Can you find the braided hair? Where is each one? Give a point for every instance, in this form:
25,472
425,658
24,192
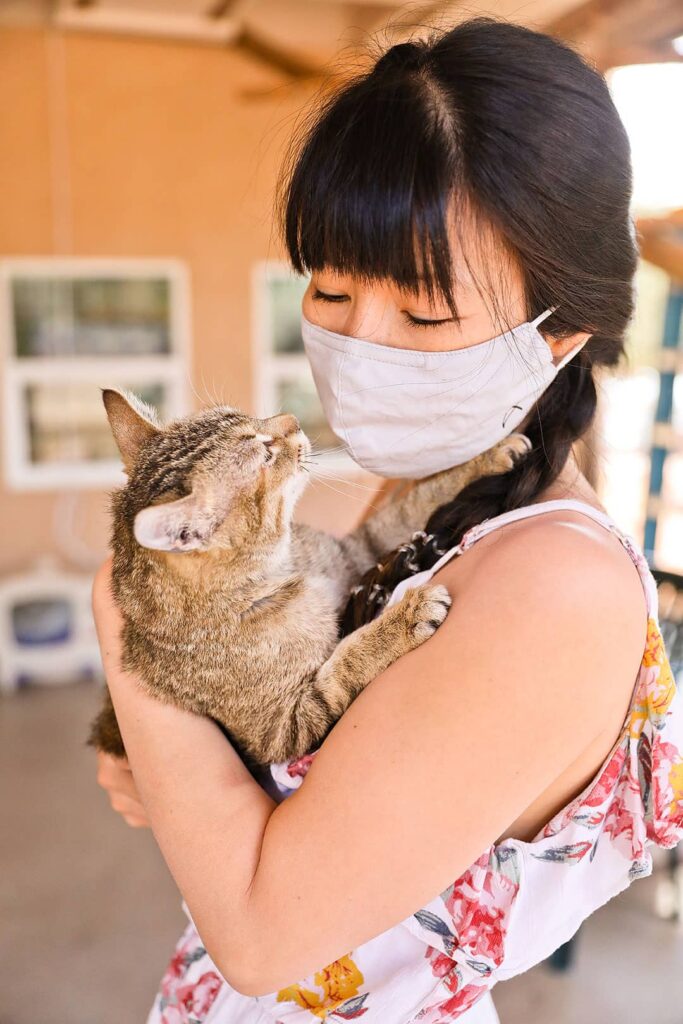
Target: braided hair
518,134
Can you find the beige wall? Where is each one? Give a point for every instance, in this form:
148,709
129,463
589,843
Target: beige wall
128,147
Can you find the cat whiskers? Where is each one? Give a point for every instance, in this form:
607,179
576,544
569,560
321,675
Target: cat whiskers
338,448
319,476
346,494
318,473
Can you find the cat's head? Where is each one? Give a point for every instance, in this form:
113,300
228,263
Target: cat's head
217,479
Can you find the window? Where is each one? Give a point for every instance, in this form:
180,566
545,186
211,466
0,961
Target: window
72,327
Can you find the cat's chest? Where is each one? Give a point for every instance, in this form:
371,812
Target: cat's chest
333,593
304,608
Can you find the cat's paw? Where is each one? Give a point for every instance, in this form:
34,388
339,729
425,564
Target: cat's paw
426,608
508,452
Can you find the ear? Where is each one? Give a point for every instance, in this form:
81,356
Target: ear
132,421
562,347
183,525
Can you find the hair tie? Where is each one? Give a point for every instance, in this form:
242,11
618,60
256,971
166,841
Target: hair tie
401,57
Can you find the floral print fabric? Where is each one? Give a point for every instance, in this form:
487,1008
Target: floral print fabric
512,908
180,1001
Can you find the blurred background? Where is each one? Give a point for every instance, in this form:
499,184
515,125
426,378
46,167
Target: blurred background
141,141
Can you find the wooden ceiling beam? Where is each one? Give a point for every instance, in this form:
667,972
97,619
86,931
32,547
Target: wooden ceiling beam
614,56
659,241
629,21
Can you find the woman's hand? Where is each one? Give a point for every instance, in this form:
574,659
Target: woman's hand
114,776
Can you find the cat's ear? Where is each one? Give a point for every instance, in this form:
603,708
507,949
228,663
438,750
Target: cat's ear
183,525
132,422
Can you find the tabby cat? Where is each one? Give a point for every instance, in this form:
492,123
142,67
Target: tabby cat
230,609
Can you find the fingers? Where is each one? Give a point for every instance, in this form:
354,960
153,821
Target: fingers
114,776
113,773
132,812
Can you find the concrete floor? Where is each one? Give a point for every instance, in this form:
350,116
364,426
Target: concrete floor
90,914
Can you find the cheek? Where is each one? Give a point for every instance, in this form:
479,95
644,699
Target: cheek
293,489
248,463
284,470
308,306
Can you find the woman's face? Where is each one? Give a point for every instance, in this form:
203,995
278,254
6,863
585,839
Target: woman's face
380,312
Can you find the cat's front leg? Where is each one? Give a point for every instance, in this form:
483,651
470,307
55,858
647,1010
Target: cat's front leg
499,459
357,660
394,523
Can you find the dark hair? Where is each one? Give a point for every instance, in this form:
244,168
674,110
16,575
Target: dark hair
515,129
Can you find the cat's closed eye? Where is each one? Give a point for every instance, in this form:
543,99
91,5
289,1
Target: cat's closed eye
271,450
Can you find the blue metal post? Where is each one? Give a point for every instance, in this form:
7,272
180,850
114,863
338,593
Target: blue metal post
671,357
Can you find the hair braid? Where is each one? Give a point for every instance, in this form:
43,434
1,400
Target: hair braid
560,417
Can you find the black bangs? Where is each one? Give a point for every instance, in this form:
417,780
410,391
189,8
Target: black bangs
370,189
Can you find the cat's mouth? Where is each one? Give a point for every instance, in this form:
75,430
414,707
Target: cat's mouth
303,450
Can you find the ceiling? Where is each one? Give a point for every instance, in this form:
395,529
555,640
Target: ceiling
299,38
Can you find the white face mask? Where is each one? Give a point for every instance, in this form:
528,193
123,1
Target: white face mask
406,413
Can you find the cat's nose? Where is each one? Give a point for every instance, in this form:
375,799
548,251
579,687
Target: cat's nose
284,425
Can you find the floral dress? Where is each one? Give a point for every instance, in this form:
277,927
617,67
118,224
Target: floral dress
514,906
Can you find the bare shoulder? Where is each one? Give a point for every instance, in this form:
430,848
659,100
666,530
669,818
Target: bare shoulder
562,557
571,583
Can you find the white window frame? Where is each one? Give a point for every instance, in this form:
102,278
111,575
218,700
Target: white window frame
171,370
269,367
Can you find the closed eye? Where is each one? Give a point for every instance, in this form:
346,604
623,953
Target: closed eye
267,440
415,321
325,297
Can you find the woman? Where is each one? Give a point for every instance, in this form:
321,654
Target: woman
508,777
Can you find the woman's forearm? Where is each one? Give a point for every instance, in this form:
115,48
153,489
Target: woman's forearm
207,812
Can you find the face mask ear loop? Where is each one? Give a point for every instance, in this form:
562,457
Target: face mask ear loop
542,316
570,355
573,352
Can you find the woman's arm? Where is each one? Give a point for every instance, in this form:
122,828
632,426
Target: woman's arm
429,765
114,774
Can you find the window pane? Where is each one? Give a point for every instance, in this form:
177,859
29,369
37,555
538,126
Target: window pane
285,313
298,396
93,317
67,422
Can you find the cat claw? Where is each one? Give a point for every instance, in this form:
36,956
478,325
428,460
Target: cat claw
432,602
511,450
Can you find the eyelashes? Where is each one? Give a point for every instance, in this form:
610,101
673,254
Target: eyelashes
414,322
324,297
411,320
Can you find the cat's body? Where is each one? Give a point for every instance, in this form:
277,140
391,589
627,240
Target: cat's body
232,611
